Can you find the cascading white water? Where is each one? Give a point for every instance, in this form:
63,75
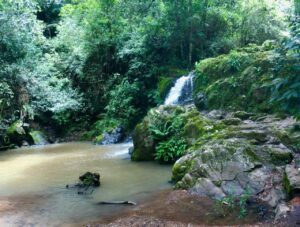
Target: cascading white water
181,91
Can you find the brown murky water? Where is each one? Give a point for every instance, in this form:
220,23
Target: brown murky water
32,186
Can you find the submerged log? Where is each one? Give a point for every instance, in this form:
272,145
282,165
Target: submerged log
117,203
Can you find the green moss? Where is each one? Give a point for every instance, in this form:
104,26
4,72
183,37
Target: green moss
235,81
286,185
144,144
164,85
16,128
232,121
99,138
252,155
16,134
180,169
281,158
176,72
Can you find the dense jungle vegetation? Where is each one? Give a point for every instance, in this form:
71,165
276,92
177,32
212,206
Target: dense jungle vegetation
92,65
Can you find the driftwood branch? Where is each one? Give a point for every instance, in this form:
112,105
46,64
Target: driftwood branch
117,203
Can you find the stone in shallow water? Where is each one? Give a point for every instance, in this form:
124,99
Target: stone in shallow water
90,179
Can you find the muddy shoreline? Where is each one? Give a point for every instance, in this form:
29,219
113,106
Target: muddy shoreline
164,208
179,208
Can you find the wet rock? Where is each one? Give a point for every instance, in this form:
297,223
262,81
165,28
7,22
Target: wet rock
90,179
25,143
143,141
117,135
88,182
18,132
130,150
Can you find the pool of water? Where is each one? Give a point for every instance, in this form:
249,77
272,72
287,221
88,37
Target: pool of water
32,185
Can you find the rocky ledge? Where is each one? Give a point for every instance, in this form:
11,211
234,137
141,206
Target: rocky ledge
231,154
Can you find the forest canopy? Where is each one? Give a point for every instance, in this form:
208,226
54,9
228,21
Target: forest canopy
66,62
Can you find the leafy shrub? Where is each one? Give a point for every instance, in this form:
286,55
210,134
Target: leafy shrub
167,130
285,87
232,203
122,105
169,151
100,127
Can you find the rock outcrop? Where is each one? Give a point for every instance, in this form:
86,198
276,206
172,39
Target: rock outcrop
228,153
250,155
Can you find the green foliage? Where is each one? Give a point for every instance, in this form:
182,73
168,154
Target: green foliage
285,87
260,21
167,132
171,150
164,85
100,127
237,60
6,97
69,61
234,81
233,203
123,104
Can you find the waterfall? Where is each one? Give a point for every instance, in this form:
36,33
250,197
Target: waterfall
181,92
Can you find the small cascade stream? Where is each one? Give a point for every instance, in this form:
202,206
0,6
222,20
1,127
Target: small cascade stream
181,92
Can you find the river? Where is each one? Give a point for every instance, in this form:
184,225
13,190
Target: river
33,179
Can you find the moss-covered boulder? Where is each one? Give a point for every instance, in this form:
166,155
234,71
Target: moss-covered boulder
144,144
292,179
158,126
167,131
232,156
90,179
18,133
218,160
236,81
